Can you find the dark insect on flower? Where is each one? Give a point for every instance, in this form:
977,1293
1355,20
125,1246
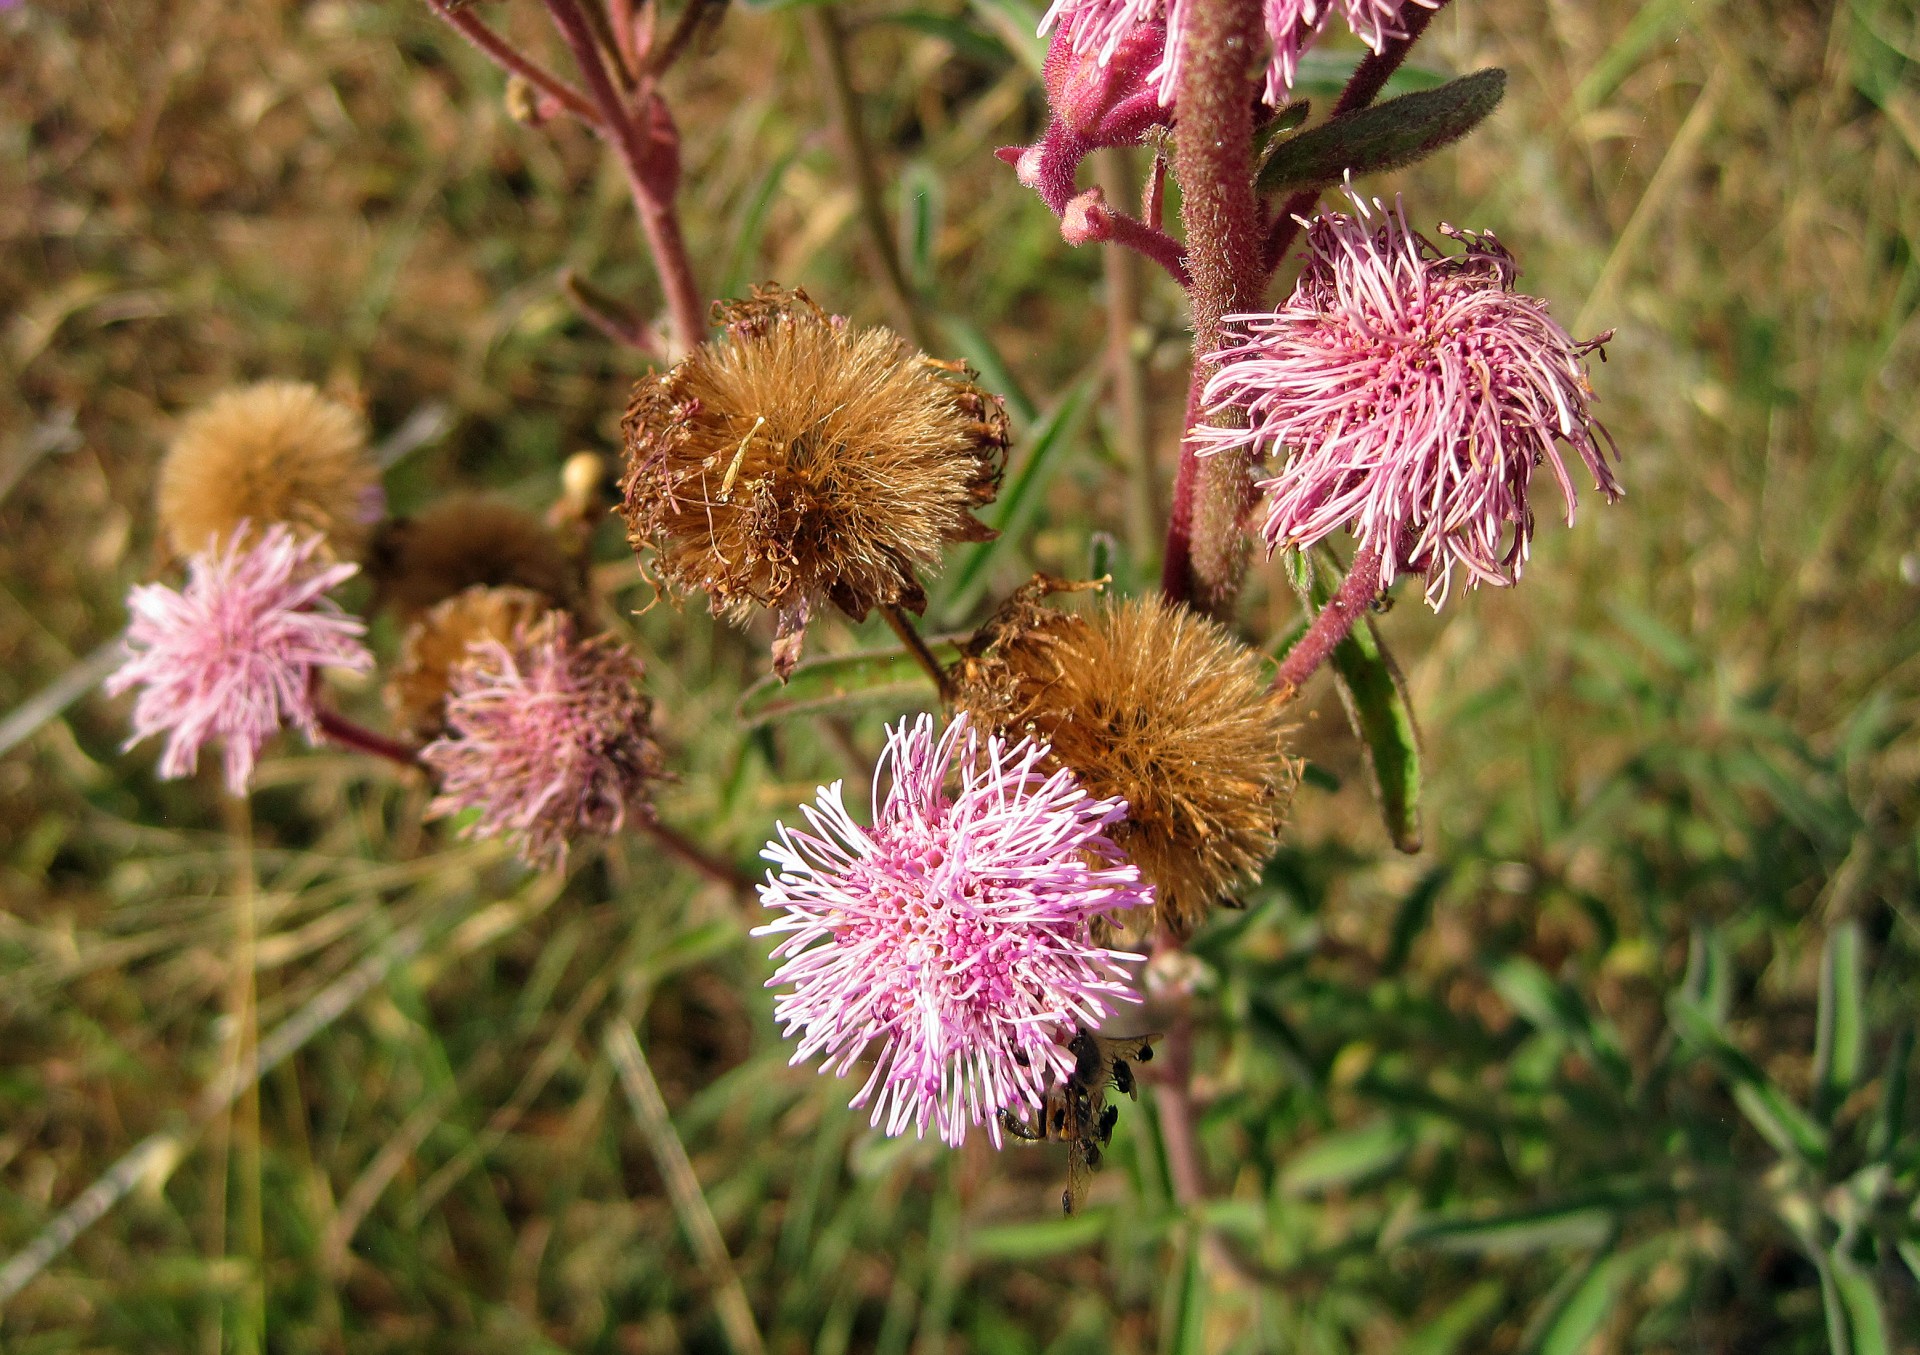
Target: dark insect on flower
440,641
1075,1110
800,459
277,451
548,739
1156,706
464,541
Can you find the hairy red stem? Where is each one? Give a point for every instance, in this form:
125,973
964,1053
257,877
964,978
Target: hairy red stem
351,734
684,851
507,59
645,165
1335,622
1213,158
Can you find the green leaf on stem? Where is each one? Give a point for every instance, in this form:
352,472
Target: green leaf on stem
1386,136
1013,513
1792,1132
1038,1240
1344,1157
842,682
1841,1030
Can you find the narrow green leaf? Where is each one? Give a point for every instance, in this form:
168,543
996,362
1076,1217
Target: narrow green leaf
1461,1318
1386,136
1585,1309
970,343
1890,1123
1412,916
965,38
752,226
1790,1130
1019,503
878,677
1860,1301
1341,1159
1190,1329
1018,25
923,202
1038,1240
1582,1225
1324,72
1375,696
1840,1033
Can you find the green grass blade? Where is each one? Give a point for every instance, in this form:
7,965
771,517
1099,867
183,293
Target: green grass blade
1841,1031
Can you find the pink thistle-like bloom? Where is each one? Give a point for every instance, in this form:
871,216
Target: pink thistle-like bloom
1415,391
235,654
547,739
1102,27
952,938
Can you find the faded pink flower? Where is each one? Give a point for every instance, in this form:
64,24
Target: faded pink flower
234,655
953,937
1415,392
1103,27
547,739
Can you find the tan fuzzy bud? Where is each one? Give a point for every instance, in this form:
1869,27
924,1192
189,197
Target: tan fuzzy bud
801,460
439,642
469,540
277,451
1157,706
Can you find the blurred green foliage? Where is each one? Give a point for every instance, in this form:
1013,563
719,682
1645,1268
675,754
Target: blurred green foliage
1619,1061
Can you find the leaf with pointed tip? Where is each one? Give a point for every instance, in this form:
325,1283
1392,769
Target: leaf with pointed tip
1386,136
1841,1024
839,682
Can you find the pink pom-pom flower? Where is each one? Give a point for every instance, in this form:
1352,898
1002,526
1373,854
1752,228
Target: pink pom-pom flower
234,655
1413,392
953,938
547,739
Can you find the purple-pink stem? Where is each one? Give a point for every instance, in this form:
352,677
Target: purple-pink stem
1369,78
1213,161
1335,622
351,734
1154,244
497,50
684,851
651,163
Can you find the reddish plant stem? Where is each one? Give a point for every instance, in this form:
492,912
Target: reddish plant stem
1213,158
1368,79
507,59
1150,243
1173,1100
909,634
645,165
1336,620
687,854
351,734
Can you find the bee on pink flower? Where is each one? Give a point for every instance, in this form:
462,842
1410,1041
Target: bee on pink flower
235,654
1413,393
952,939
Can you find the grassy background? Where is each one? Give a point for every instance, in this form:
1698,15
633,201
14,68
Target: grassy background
1566,1080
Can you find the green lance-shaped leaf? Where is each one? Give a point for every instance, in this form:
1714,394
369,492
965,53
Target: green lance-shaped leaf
840,682
1338,1160
1386,136
1792,1132
1374,693
1841,1030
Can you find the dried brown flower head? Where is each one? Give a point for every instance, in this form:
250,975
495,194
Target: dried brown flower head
277,451
439,642
801,459
1155,705
467,540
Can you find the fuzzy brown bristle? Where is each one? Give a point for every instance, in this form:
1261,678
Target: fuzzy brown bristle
1158,706
466,541
278,451
439,641
801,459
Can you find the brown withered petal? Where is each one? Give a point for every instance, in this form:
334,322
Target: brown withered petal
800,460
467,540
1155,705
276,451
440,641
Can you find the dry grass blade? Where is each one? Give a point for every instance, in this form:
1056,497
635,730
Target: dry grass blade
689,1202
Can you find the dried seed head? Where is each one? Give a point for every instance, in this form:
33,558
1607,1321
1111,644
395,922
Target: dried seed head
801,459
441,640
1154,705
548,739
467,540
278,451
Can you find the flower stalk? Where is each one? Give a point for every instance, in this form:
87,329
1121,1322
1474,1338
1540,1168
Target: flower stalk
1213,157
